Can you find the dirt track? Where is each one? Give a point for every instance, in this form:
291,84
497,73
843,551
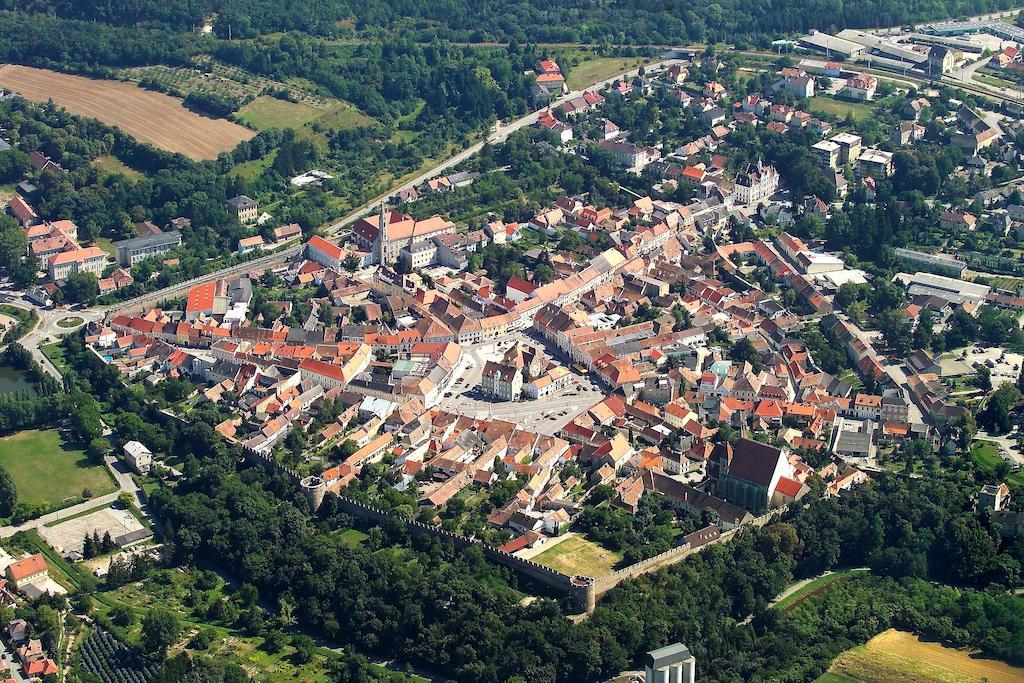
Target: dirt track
151,117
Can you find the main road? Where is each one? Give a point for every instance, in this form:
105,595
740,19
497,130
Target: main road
499,134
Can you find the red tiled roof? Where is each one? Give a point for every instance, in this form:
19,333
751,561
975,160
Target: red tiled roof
788,487
320,244
200,297
27,567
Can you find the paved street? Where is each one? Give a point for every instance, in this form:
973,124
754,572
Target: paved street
9,668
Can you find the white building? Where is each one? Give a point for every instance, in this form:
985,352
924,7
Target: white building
138,457
755,185
89,260
861,87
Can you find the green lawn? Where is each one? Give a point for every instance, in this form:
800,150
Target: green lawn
342,116
44,468
824,104
55,352
109,165
7,191
352,537
986,456
577,555
597,69
26,321
269,112
107,245
251,170
812,588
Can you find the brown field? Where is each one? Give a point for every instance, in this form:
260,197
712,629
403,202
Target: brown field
898,655
150,117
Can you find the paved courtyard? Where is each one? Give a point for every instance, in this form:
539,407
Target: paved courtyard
69,536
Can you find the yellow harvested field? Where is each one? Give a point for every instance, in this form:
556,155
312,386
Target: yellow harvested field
152,117
898,655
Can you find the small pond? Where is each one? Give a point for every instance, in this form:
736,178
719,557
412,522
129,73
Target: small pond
14,381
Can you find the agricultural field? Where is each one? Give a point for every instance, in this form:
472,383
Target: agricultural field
900,656
823,104
160,120
577,555
46,469
111,661
218,78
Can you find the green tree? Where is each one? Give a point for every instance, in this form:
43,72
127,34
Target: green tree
8,493
81,288
305,649
274,641
743,351
160,630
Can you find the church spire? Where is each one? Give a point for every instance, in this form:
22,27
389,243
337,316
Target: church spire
382,235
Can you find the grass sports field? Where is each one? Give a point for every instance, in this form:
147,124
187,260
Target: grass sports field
577,555
152,117
900,656
46,469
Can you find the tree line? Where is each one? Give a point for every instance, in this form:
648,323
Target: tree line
632,21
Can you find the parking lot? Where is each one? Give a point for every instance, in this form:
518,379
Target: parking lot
545,416
1004,365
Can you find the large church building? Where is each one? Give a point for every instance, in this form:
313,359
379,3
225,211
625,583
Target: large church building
399,232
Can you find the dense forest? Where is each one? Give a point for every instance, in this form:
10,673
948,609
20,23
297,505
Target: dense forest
595,21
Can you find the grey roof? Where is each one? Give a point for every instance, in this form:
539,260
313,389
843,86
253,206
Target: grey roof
663,656
158,240
4,145
133,537
853,442
26,188
241,202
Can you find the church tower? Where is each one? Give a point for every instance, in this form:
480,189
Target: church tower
380,246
